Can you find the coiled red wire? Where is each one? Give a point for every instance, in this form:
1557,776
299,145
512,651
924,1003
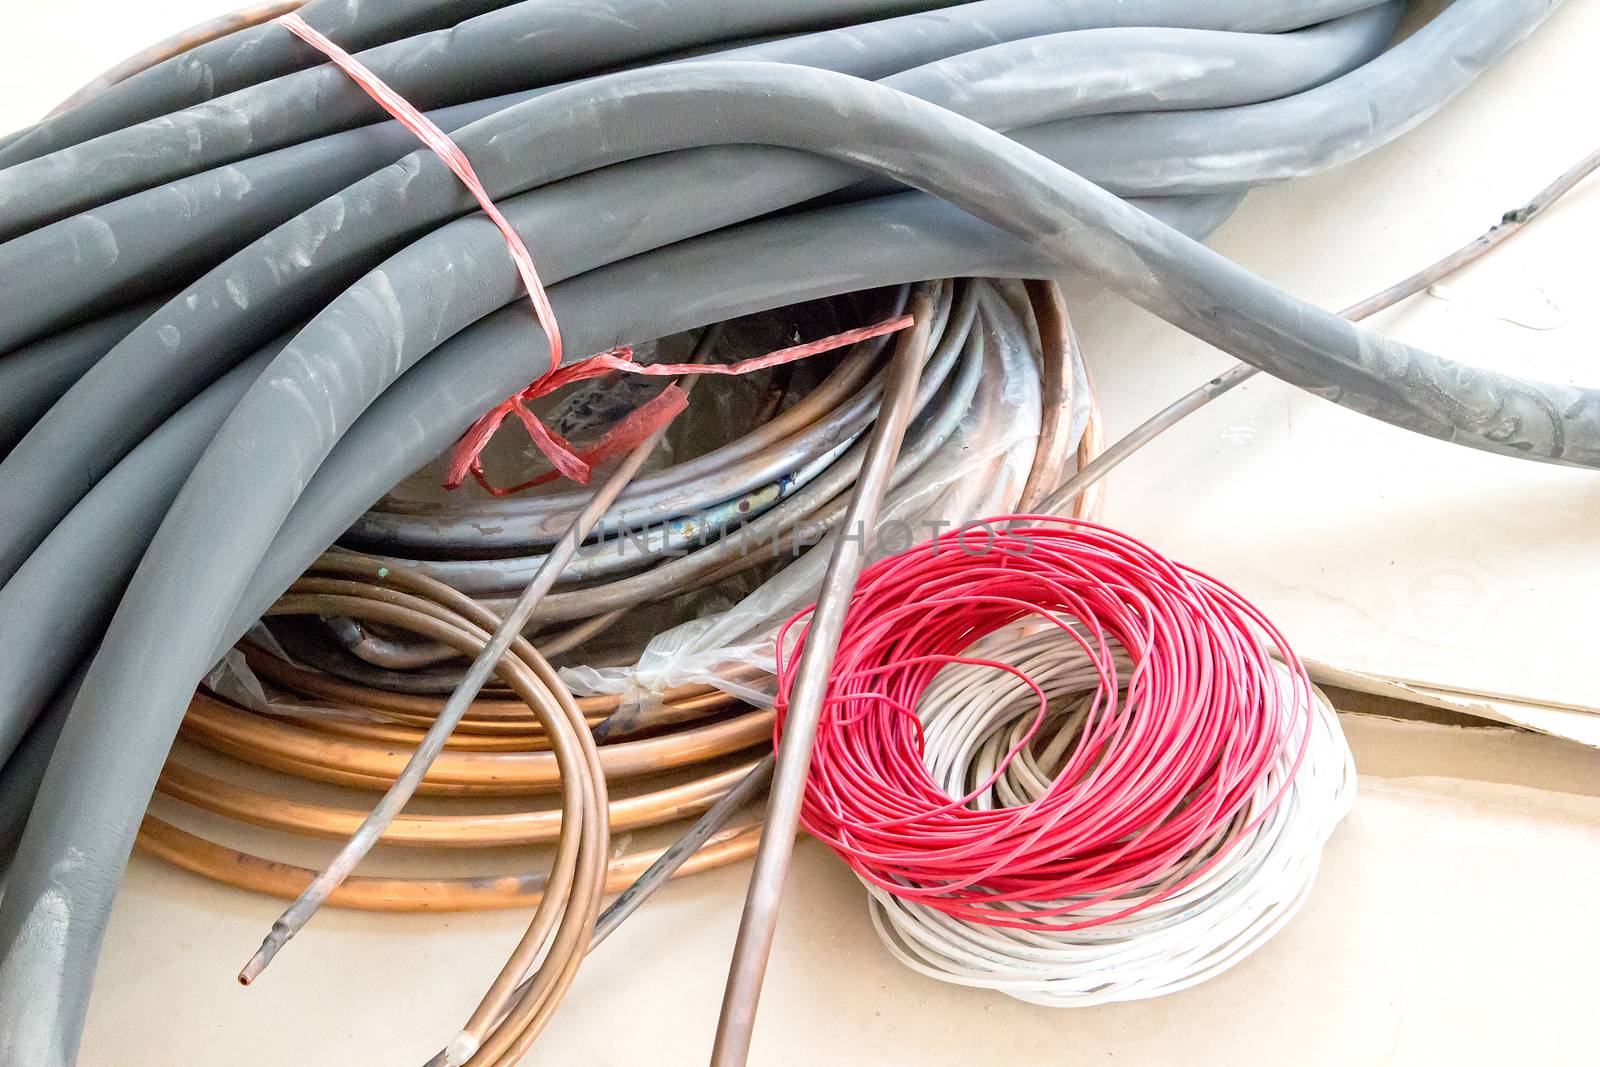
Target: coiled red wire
1166,759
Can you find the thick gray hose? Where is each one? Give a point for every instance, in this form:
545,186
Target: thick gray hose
257,292
21,775
60,268
1205,151
32,379
133,246
234,62
537,42
77,572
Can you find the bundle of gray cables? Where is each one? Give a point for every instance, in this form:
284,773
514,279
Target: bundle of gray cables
239,306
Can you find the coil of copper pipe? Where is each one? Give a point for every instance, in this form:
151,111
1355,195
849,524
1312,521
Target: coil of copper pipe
257,874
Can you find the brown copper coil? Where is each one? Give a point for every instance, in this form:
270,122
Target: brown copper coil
286,881
271,811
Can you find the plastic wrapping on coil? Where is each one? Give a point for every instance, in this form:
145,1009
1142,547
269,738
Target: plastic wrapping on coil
979,470
234,680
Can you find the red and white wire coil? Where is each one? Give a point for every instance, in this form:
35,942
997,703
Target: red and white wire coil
1067,767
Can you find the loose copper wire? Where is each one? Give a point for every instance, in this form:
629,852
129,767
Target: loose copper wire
258,807
565,915
280,746
1091,503
244,870
1057,357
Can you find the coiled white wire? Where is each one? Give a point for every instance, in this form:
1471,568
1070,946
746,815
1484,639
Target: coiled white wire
973,715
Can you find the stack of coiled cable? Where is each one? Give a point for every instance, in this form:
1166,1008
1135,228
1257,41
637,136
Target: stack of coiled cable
241,307
352,693
1067,768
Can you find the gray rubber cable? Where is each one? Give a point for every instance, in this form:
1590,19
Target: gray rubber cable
519,46
90,257
33,378
235,62
88,557
111,249
244,301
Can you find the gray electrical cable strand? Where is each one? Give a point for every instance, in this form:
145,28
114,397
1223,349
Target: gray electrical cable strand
176,346
174,44
1509,225
112,248
21,774
516,47
759,921
1201,151
88,557
33,378
405,785
496,53
117,250
235,62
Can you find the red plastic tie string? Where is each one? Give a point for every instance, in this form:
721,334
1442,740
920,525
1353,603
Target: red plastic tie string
446,149
640,423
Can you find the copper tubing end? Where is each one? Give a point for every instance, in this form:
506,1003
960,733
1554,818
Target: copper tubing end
269,948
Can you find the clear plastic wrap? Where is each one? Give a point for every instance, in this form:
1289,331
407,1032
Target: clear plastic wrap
232,679
979,470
